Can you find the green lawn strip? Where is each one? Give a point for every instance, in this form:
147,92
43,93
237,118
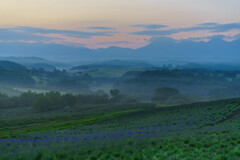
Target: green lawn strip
61,124
165,105
27,123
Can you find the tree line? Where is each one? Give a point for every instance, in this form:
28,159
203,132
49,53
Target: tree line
54,100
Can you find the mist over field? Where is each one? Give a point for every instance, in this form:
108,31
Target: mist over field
123,79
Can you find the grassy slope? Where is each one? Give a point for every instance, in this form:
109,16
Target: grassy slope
210,139
15,121
20,126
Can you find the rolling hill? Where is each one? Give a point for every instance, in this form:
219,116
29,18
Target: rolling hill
114,64
14,74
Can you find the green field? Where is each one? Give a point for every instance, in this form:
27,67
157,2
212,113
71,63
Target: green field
208,130
109,72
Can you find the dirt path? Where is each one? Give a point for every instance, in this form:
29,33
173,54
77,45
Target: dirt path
231,116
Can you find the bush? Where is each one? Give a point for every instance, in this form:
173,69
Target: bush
161,95
54,100
68,100
169,96
44,103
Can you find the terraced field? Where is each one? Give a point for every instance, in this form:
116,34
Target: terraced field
208,130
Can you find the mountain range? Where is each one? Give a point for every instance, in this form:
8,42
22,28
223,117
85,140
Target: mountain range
159,50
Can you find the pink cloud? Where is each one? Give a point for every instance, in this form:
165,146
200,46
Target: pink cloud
118,40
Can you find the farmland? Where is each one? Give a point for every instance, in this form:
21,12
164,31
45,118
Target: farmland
207,130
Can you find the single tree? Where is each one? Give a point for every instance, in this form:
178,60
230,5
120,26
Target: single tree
115,93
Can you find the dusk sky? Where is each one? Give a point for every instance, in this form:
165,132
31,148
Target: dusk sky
124,23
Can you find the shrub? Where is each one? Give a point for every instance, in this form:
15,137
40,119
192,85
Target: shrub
44,103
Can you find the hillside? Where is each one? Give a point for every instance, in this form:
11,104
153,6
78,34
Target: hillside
36,62
147,128
8,65
114,64
44,66
113,68
14,74
198,82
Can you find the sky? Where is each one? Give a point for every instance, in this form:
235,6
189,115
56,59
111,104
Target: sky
105,23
